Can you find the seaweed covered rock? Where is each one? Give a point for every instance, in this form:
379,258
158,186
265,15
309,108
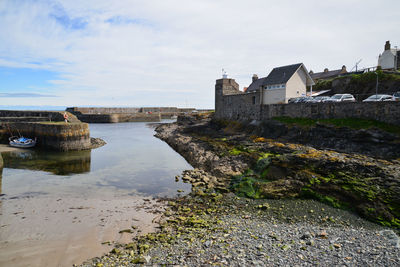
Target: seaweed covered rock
258,167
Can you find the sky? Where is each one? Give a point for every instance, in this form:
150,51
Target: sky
170,52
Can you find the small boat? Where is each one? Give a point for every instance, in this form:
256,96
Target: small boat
21,142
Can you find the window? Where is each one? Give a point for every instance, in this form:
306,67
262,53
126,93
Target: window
254,100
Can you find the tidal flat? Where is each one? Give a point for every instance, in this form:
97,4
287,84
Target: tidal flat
61,208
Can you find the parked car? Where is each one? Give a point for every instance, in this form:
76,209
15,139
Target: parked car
396,96
319,99
341,98
375,98
301,99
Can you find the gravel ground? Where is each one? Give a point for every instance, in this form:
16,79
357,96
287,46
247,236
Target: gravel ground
224,230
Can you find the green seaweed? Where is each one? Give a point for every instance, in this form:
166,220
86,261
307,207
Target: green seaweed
332,201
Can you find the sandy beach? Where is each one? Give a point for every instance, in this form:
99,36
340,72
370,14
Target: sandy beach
42,232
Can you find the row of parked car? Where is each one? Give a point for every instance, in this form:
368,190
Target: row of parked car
344,98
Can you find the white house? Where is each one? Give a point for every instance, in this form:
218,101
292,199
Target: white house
282,83
388,60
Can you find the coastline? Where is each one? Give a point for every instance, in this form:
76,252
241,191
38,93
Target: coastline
215,226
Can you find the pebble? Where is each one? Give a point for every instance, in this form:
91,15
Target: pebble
245,237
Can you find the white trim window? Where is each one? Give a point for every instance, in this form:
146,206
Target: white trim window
275,86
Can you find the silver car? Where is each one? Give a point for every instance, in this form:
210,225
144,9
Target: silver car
341,98
375,98
319,99
396,96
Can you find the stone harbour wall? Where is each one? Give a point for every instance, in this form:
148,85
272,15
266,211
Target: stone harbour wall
114,115
54,135
48,127
122,117
105,110
31,115
239,106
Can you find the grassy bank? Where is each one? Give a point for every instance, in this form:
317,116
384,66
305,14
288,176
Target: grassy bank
353,123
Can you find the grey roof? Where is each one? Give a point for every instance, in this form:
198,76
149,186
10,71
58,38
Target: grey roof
326,74
281,74
256,84
276,76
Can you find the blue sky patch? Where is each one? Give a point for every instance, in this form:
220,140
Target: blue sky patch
26,81
24,95
61,16
121,20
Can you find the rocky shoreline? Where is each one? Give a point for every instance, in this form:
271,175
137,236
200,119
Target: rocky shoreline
265,223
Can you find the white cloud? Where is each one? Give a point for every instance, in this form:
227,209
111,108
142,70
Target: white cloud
170,52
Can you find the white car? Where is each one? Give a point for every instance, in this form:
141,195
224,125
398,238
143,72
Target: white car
341,98
375,98
396,96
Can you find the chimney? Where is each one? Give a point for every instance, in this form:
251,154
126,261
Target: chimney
254,78
326,70
387,45
311,72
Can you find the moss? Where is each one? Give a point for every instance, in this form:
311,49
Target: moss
332,201
314,180
245,187
235,151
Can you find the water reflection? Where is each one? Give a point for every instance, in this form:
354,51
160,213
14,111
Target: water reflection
59,163
133,162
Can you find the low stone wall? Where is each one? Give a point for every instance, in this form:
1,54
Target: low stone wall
139,117
105,110
388,112
98,118
54,135
122,117
30,115
114,115
101,110
241,108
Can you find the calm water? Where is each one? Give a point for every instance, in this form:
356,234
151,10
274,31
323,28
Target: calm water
133,162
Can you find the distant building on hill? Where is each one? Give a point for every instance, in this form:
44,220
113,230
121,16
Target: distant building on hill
389,59
327,74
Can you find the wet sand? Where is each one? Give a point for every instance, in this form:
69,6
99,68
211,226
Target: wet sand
43,231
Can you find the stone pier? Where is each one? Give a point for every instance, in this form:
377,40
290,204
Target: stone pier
48,127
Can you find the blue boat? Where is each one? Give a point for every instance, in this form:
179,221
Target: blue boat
22,142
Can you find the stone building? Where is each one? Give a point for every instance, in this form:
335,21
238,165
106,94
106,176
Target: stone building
327,74
282,83
389,59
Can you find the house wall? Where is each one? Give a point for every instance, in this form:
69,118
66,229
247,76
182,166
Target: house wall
274,96
296,86
386,60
